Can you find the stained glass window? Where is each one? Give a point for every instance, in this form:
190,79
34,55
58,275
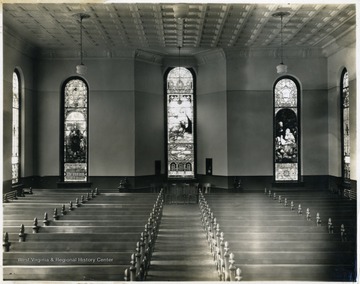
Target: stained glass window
180,123
15,157
75,163
286,131
345,103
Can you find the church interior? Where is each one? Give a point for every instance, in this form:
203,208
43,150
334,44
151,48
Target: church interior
193,141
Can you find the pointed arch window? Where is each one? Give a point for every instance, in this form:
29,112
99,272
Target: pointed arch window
16,104
286,130
345,125
180,123
74,150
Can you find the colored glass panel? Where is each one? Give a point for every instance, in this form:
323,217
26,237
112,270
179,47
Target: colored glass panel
15,157
75,131
285,94
286,131
180,120
346,126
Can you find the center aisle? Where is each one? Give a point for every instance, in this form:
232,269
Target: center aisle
181,249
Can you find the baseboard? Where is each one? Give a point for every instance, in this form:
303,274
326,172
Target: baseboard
74,184
248,183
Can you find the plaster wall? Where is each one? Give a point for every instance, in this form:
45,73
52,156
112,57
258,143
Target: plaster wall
15,58
346,58
111,115
250,83
149,118
212,131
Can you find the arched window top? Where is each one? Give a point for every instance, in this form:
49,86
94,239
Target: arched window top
286,93
16,89
180,81
15,82
76,92
345,88
345,77
179,71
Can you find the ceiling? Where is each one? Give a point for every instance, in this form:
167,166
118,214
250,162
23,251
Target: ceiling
153,26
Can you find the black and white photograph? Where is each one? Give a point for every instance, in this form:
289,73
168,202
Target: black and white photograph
179,141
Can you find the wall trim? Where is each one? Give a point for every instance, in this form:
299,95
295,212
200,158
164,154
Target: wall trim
249,183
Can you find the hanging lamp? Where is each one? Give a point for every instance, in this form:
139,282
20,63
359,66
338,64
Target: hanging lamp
179,84
81,68
281,68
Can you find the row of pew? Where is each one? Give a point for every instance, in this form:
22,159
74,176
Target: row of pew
74,235
90,235
343,214
223,258
272,242
141,259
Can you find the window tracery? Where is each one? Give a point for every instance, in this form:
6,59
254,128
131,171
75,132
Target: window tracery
180,123
75,140
286,132
345,104
15,157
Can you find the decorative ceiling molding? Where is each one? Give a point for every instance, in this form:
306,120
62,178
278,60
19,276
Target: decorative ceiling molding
202,56
173,61
294,52
343,41
146,56
153,26
124,53
207,56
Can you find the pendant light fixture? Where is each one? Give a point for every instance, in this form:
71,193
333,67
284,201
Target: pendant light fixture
179,84
281,68
81,68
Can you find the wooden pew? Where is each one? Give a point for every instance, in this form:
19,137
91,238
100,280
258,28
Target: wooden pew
141,258
273,243
103,229
223,258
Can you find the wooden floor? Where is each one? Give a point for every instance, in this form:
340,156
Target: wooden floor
94,241
182,252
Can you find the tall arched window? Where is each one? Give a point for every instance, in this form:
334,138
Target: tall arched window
16,104
180,123
74,150
345,125
286,130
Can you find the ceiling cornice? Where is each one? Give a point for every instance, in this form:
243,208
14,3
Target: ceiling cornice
12,40
148,56
206,56
345,40
292,52
124,53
